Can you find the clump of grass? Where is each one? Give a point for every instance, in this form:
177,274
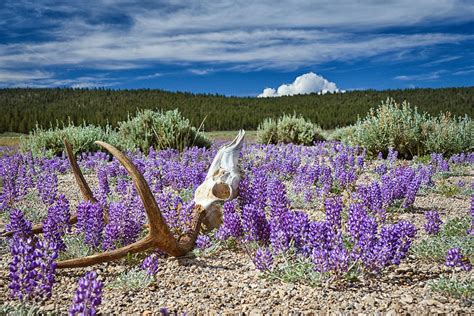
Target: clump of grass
21,309
294,270
455,287
452,235
75,247
447,189
134,279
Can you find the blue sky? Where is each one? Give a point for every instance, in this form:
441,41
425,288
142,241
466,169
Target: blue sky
237,47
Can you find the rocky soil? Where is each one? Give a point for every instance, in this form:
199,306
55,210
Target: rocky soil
227,282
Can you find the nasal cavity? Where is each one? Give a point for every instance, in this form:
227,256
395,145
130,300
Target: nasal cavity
221,191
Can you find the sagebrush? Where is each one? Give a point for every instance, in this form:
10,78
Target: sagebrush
410,133
289,129
160,130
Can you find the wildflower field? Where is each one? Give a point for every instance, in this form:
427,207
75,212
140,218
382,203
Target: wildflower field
314,228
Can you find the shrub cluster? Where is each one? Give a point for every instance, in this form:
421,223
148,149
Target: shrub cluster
160,130
289,129
147,129
410,133
50,142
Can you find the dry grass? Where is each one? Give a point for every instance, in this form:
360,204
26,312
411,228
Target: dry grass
250,136
10,139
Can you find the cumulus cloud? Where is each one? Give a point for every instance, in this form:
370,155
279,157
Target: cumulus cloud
304,84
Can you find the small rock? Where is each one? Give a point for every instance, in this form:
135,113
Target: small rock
49,307
368,300
406,299
430,302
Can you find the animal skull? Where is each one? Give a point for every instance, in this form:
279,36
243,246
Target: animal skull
221,183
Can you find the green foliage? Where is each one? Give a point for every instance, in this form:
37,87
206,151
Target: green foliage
342,134
21,309
134,279
455,287
450,135
300,270
22,108
159,130
75,247
453,234
447,189
411,133
50,142
289,129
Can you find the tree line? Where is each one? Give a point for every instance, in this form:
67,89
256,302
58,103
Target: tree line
22,108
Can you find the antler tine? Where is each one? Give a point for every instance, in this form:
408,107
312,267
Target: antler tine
81,183
159,235
141,245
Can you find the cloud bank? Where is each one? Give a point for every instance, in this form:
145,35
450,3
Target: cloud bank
304,84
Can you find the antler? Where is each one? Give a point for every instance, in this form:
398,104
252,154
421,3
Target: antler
159,234
81,183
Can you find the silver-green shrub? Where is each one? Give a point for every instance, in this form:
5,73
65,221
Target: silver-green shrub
345,134
50,142
160,130
450,135
411,133
288,129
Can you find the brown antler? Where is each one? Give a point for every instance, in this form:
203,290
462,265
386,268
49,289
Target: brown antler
81,182
159,235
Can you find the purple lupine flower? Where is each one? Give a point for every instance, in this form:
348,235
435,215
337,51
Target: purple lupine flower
150,264
433,222
263,259
455,258
18,224
88,295
203,242
90,221
335,259
333,208
47,187
125,223
392,156
57,222
232,226
32,267
381,169
412,189
255,224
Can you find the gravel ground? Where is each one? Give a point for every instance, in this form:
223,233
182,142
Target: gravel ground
227,281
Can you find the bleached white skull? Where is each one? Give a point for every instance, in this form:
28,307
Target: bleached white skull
221,183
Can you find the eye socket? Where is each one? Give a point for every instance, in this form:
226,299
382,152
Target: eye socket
221,191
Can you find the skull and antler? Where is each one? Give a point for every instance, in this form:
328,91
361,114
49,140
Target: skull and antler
221,184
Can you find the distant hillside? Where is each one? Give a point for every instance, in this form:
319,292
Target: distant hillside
21,108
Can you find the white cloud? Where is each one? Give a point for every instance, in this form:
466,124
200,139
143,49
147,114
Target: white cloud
304,84
421,77
12,76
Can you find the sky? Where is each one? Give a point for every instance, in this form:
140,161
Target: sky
241,48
